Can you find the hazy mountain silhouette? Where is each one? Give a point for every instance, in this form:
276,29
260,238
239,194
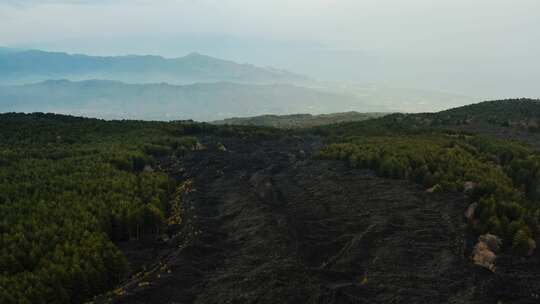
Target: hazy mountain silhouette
210,101
112,97
24,66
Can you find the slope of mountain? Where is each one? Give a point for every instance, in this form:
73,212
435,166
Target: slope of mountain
511,119
212,101
505,112
298,120
27,66
161,212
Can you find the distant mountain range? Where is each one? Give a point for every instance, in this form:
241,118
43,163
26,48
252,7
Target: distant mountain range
195,86
209,101
26,66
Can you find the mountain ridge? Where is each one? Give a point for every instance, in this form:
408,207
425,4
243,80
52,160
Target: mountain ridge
163,101
23,66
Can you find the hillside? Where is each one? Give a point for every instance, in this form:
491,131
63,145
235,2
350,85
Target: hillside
25,66
521,113
512,119
376,211
212,101
274,225
298,120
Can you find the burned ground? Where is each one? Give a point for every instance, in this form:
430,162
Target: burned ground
267,222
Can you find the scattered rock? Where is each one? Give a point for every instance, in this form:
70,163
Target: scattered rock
148,168
199,147
163,238
469,213
484,257
532,247
434,189
484,253
494,242
469,186
264,188
292,158
221,147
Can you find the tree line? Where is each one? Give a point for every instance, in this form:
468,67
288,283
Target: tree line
504,178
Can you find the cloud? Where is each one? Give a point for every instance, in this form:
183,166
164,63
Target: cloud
44,2
423,37
366,24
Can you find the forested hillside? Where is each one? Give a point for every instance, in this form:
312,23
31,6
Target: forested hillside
488,149
511,112
70,188
405,207
503,178
514,119
298,120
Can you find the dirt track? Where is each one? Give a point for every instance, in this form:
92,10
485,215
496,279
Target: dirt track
270,224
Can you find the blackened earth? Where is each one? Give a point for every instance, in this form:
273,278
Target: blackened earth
269,223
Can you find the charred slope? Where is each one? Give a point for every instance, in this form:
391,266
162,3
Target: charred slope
265,223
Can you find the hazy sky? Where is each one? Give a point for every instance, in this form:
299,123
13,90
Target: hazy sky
483,48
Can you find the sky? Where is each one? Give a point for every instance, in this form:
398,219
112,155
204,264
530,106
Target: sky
479,48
